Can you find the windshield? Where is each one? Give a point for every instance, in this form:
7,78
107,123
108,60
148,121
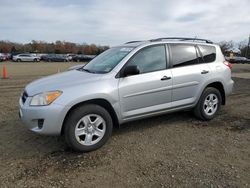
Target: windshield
107,60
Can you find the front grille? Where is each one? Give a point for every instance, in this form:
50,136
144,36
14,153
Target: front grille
24,96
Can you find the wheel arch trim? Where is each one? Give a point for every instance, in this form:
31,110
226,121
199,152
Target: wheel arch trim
98,101
218,85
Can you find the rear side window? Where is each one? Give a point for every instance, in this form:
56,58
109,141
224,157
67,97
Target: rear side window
208,53
184,55
150,59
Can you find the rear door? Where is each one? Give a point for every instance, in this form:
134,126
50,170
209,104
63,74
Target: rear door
29,57
149,91
22,57
26,57
189,73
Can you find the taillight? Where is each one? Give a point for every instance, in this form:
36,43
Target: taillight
228,64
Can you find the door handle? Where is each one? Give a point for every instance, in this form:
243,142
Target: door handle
204,72
165,78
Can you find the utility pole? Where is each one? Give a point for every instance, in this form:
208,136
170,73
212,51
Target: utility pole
248,47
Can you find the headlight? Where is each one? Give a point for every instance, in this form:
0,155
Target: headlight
45,98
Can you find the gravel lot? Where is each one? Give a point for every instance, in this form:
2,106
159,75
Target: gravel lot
173,150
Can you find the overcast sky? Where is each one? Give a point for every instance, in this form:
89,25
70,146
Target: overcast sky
113,22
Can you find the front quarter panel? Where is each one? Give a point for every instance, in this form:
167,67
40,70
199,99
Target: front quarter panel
106,89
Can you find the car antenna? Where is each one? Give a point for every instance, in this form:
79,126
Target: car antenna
195,37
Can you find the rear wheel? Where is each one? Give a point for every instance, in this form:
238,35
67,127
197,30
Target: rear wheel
18,60
209,104
87,128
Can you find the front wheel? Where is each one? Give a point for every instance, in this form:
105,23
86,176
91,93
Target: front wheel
208,104
87,128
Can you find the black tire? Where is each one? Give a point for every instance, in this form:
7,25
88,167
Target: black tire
199,110
72,121
35,60
18,60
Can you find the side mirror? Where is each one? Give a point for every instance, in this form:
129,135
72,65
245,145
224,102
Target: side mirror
130,70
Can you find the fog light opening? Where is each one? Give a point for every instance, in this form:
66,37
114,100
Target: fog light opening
40,123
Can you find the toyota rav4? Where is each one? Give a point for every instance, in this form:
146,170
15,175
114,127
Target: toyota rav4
135,80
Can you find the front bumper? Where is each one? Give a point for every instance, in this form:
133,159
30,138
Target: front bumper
51,116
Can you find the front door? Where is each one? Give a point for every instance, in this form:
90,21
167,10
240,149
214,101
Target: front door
151,90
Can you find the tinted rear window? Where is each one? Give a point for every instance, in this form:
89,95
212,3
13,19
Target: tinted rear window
183,55
208,53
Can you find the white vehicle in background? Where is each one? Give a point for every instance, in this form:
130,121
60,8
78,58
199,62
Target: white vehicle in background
26,57
2,57
69,57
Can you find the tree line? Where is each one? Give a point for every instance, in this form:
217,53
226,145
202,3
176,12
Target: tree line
242,47
62,47
58,47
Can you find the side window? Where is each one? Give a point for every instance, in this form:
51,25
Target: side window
208,53
183,55
150,59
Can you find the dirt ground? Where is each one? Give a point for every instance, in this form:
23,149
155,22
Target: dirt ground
174,150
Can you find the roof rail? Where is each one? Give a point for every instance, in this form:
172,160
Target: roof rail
133,41
182,39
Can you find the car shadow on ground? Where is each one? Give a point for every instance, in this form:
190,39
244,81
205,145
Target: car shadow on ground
165,119
55,145
28,140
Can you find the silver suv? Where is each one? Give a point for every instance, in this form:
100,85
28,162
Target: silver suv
136,80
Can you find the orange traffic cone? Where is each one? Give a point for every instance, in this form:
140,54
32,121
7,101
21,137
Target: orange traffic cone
4,73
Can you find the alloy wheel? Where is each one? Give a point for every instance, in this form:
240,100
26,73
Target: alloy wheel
210,104
90,129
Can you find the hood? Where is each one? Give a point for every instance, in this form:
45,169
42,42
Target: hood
60,81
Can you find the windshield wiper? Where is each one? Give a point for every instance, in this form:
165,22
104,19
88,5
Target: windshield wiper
91,71
87,70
